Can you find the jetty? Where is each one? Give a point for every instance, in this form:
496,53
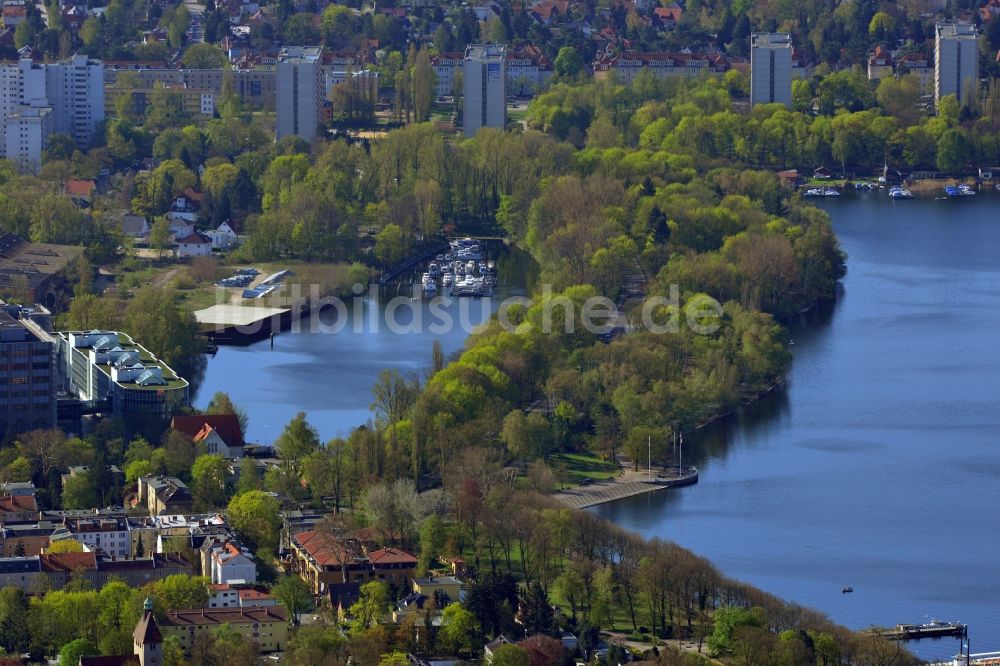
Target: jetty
910,632
629,484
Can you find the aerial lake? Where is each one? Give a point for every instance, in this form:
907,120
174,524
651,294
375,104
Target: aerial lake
877,466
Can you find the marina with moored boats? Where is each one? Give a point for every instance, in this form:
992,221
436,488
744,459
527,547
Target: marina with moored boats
464,270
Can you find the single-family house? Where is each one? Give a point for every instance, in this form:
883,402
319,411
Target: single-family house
134,226
80,191
179,227
224,237
490,648
219,433
668,17
194,245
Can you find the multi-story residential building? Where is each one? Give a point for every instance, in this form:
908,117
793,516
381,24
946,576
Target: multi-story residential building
267,627
255,87
300,92
23,573
231,562
75,91
160,534
111,534
27,136
27,382
484,86
956,62
22,87
880,64
25,539
18,509
323,559
228,596
99,569
918,65
193,101
527,71
108,365
445,66
625,67
162,495
771,68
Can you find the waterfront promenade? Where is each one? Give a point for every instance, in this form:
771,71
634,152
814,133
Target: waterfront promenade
627,484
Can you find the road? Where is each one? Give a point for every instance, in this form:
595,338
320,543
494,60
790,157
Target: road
195,32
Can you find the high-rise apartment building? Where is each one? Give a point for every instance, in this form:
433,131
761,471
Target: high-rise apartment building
75,91
484,81
956,62
771,68
300,92
38,99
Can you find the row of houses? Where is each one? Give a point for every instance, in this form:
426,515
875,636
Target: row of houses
35,573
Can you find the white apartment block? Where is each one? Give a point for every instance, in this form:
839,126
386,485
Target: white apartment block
27,134
300,92
771,68
956,61
484,82
72,92
22,87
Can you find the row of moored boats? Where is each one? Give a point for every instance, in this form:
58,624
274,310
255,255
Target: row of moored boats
897,192
463,270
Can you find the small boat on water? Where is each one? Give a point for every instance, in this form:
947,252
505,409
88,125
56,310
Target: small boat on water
951,191
900,193
847,590
830,192
813,192
966,191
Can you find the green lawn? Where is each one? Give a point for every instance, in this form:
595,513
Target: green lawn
577,467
